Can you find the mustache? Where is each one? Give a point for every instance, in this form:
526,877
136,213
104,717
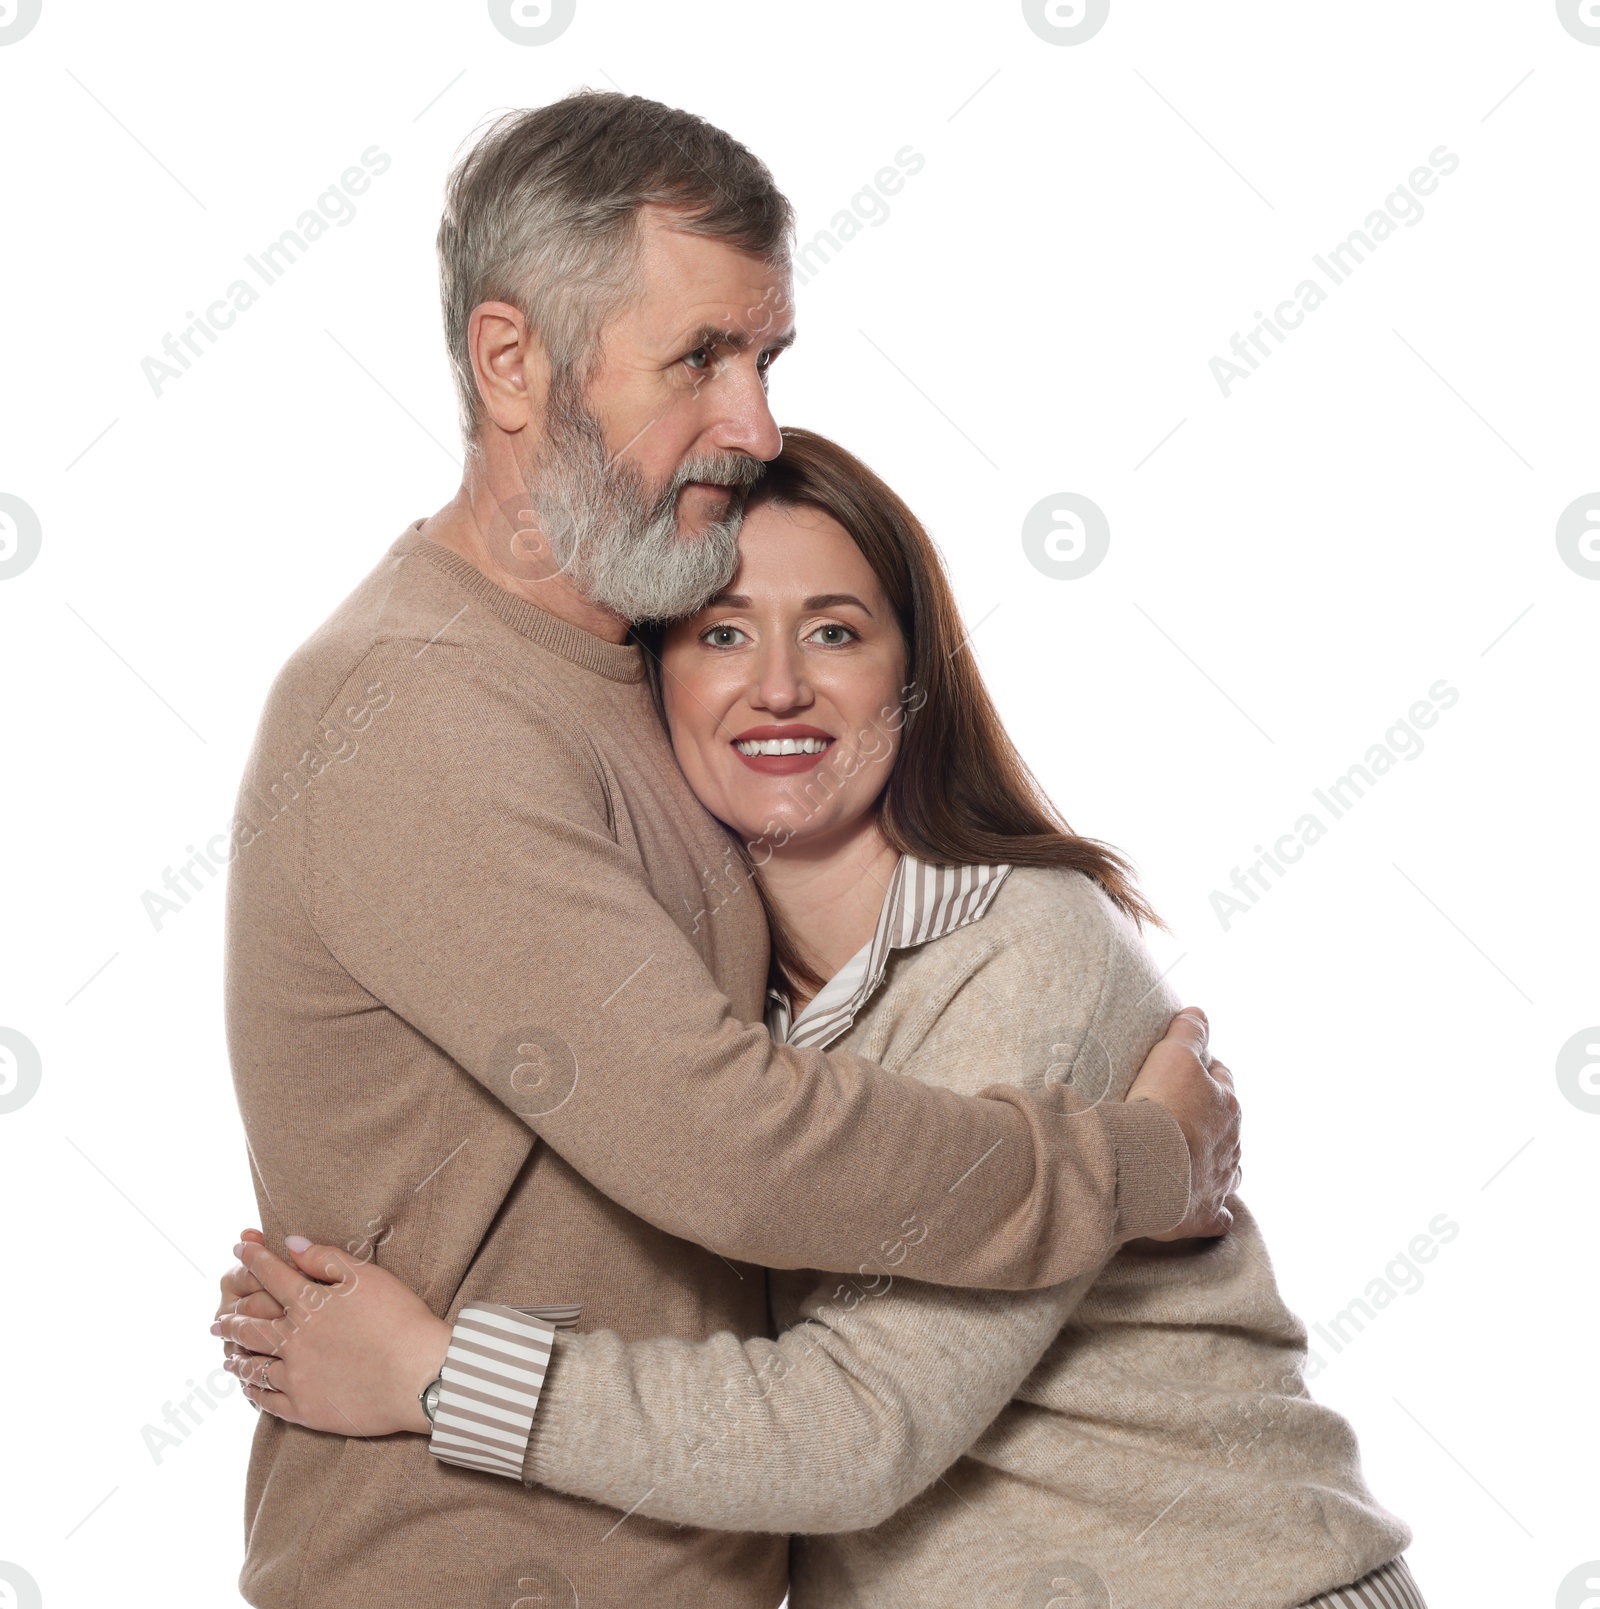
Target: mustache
723,469
737,471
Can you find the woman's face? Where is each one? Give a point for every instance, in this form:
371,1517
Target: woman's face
783,694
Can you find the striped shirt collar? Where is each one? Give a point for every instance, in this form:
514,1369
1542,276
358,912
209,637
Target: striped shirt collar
924,902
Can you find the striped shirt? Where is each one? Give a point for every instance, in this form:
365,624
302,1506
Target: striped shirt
923,902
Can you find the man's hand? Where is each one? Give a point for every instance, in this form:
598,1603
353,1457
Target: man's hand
1181,1075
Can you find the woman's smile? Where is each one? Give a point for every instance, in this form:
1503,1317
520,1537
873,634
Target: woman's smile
782,751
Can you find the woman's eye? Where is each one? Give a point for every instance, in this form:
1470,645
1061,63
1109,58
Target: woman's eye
833,636
722,637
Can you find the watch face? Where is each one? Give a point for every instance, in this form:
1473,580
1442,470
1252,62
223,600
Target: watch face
430,1399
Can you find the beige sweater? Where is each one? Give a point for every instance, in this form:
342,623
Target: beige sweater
1140,1434
494,1010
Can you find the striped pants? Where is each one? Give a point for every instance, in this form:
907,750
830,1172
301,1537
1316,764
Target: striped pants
1389,1587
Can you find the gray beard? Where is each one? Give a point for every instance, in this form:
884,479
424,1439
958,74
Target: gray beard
619,544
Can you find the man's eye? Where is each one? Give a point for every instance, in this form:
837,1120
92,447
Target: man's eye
700,358
833,636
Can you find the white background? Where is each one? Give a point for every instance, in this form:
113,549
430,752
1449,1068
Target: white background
1372,511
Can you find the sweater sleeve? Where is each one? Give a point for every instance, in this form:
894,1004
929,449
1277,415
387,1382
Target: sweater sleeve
467,872
885,1381
881,1385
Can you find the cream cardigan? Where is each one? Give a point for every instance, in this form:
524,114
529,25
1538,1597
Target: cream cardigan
1139,1436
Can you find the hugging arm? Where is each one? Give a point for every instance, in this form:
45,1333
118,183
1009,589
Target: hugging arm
879,1386
821,1160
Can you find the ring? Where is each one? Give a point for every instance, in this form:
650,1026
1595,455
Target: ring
264,1384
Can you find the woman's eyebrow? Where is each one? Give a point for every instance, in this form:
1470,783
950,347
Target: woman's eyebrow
823,600
831,600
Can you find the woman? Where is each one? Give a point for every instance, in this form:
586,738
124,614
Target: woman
1138,1436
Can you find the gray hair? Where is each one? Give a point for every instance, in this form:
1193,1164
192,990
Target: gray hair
543,213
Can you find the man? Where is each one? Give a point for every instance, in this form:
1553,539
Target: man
494,990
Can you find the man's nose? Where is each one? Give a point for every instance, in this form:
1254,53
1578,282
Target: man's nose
744,422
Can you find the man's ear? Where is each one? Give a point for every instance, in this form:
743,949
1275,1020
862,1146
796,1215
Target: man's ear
510,365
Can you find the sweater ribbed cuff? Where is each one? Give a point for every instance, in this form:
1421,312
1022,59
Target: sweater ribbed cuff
1152,1159
545,1440
491,1380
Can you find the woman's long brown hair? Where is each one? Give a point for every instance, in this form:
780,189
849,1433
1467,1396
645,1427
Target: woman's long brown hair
959,793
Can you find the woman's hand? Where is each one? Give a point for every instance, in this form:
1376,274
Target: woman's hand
349,1351
242,1292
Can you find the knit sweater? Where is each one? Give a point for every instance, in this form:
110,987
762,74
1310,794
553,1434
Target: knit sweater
1140,1434
494,1009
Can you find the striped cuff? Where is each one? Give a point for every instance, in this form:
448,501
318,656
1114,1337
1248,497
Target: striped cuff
1391,1586
491,1377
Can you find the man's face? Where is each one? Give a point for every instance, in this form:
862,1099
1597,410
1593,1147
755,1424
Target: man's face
683,371
640,483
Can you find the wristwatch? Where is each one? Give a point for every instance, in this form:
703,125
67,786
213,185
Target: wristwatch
428,1396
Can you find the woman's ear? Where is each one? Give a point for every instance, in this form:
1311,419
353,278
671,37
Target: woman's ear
510,365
